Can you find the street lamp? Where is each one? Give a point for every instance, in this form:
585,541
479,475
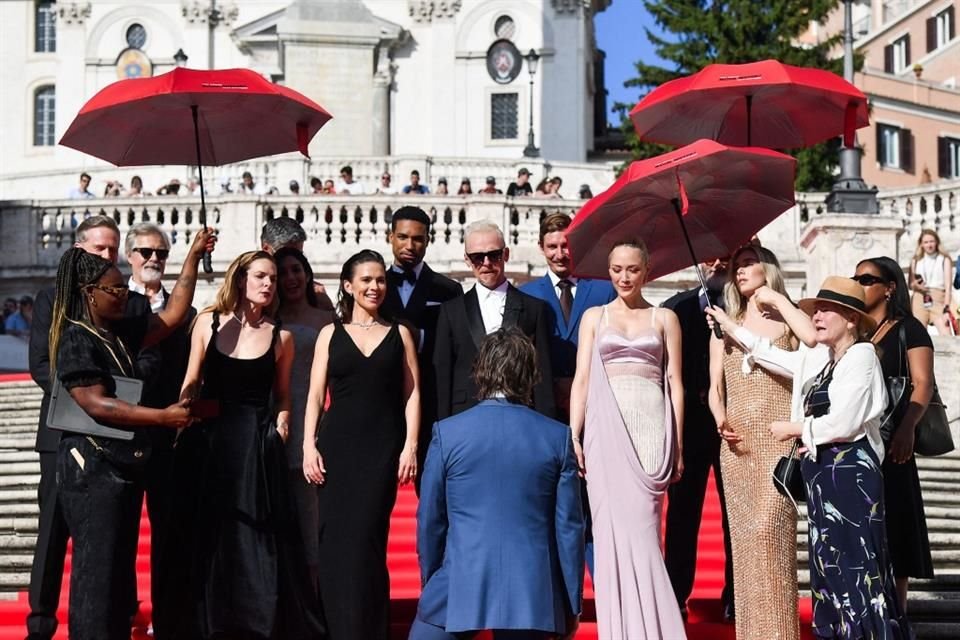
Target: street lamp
180,58
850,194
533,59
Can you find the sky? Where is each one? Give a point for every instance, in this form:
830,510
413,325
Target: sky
621,34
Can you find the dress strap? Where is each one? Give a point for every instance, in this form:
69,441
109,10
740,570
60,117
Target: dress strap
216,322
653,318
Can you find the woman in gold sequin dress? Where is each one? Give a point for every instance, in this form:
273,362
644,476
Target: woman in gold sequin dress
744,401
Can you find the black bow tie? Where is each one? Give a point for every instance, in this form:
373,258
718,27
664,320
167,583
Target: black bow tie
397,278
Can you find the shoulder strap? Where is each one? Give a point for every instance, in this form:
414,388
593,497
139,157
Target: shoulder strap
653,318
276,332
216,322
902,338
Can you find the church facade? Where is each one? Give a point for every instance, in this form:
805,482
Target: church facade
453,79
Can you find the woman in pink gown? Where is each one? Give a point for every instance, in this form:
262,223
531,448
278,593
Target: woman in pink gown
627,399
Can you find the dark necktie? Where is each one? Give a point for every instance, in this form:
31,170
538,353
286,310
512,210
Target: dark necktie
397,278
566,298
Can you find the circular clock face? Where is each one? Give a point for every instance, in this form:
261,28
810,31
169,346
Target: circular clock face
503,62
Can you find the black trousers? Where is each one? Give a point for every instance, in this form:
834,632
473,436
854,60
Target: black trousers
101,505
685,511
46,574
160,499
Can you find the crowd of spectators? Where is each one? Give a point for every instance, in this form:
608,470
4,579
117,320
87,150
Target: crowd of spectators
17,316
548,187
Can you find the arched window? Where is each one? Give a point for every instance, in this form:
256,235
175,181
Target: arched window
45,27
44,116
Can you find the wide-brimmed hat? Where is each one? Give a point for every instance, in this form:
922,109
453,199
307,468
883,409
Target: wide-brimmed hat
844,292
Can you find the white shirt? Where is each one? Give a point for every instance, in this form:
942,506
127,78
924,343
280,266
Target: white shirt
354,188
492,303
554,278
930,268
406,289
157,303
858,396
390,191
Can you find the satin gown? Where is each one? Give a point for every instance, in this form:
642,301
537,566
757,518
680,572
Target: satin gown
629,446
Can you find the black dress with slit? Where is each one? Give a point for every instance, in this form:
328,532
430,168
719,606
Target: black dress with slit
247,577
360,438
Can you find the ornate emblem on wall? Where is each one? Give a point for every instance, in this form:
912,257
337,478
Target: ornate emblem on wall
504,62
199,11
427,10
73,12
570,6
133,63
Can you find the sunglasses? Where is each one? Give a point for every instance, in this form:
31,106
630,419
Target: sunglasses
867,280
478,257
120,291
147,253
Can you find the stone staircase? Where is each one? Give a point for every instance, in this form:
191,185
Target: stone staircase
934,604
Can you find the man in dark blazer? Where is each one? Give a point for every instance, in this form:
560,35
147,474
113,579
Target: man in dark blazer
499,524
701,443
163,367
490,305
98,235
414,295
567,298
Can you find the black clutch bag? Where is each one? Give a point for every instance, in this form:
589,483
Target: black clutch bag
788,479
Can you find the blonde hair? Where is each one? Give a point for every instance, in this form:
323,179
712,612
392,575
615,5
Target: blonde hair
919,253
231,292
735,302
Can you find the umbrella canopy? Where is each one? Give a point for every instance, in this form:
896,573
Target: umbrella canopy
763,104
722,195
150,121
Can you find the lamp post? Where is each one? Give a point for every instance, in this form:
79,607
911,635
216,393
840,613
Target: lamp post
180,58
850,194
533,59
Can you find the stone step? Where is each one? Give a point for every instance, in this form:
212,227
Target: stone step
17,542
18,496
17,456
940,475
18,525
15,562
15,509
21,442
25,481
15,581
14,468
942,558
936,630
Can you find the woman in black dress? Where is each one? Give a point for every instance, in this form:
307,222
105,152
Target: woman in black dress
246,580
367,442
888,303
100,479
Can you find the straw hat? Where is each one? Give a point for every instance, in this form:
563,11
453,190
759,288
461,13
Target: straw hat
844,292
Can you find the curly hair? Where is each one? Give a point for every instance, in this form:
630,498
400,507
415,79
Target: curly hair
507,365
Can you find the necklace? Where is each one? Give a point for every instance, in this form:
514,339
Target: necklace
366,326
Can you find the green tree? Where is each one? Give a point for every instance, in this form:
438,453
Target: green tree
696,33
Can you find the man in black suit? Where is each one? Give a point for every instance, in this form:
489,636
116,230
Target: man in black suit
98,235
414,295
163,367
491,304
701,449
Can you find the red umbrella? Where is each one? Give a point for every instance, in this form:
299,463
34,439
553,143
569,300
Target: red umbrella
188,116
704,199
765,104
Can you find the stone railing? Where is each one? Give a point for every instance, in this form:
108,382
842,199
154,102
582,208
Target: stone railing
35,233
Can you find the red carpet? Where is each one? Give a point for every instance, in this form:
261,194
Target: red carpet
705,616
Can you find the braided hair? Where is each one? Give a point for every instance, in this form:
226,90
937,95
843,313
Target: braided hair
78,269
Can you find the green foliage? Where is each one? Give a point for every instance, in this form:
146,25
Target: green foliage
701,32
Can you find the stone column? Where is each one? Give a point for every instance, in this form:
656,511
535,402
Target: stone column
382,81
834,243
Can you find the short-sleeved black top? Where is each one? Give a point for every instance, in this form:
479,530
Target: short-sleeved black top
889,348
83,359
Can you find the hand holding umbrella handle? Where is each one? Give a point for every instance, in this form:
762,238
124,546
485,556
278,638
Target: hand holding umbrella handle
678,208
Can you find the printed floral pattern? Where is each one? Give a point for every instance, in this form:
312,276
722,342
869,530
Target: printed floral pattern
854,595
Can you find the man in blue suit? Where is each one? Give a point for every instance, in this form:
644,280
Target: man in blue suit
500,523
567,298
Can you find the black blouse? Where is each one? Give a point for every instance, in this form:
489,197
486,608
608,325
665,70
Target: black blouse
889,348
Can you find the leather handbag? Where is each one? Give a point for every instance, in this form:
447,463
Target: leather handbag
788,479
932,434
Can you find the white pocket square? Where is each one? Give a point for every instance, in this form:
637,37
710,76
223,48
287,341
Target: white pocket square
431,303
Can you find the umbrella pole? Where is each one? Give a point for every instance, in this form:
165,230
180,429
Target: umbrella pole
678,209
749,128
207,259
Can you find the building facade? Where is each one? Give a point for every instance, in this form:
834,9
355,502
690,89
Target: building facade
416,79
911,76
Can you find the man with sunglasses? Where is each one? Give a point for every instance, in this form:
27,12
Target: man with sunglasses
98,235
491,304
163,367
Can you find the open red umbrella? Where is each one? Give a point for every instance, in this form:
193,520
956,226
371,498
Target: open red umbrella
704,199
188,116
764,104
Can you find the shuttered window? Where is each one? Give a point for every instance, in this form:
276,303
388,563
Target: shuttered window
948,157
894,147
44,116
504,115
